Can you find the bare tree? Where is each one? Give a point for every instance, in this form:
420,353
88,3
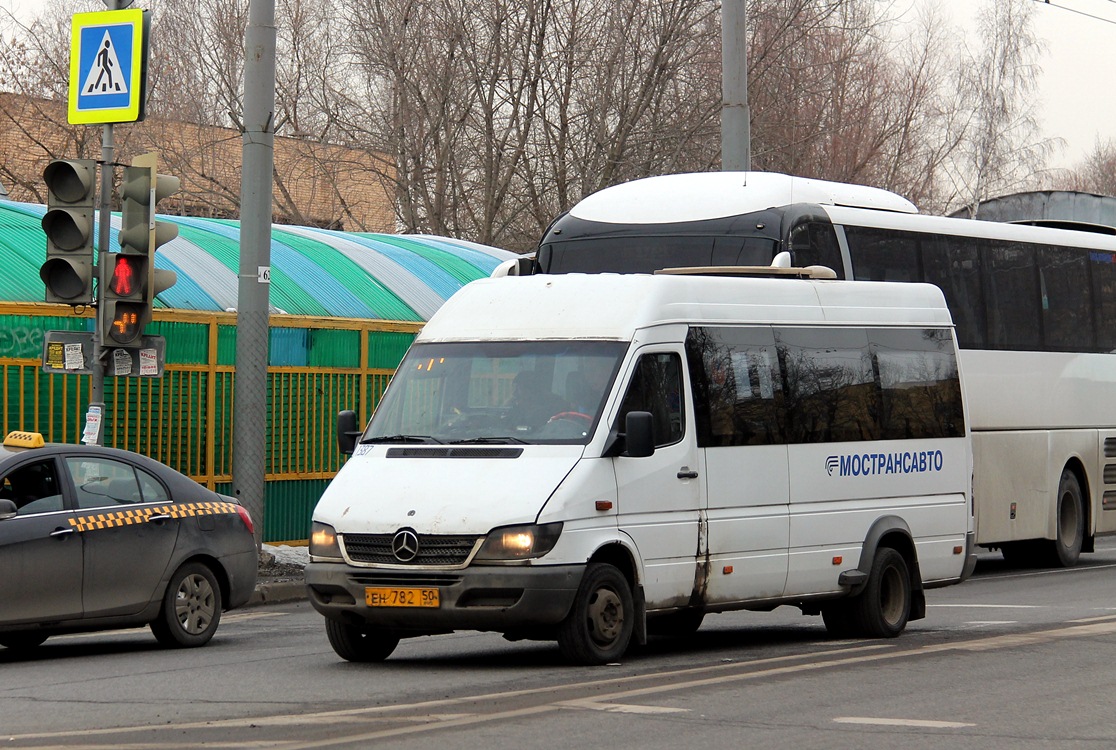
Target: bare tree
485,120
1003,150
1097,173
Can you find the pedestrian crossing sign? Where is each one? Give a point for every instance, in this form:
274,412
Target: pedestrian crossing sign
108,66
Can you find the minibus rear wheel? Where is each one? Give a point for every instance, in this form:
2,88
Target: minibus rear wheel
358,644
881,610
599,626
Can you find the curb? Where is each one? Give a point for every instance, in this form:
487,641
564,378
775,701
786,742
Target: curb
277,592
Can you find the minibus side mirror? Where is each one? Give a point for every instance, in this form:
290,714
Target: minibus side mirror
639,435
7,509
347,432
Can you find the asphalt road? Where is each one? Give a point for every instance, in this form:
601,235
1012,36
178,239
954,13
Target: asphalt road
1011,659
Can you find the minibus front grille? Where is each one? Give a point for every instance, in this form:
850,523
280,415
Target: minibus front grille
438,550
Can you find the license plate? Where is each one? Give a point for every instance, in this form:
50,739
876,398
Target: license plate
401,597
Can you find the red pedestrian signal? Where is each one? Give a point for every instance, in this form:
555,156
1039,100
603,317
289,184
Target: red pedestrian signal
126,278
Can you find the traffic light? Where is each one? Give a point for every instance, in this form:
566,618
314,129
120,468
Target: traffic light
68,223
130,278
123,299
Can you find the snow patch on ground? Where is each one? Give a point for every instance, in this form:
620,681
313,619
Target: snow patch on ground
288,555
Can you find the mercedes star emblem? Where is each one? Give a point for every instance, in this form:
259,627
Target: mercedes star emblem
404,545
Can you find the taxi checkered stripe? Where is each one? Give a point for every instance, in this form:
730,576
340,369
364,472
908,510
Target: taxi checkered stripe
112,519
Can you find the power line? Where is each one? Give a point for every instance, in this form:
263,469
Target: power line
1079,12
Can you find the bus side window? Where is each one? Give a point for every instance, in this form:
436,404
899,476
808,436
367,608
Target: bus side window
815,244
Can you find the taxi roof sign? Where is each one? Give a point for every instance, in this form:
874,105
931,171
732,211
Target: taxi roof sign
18,439
108,66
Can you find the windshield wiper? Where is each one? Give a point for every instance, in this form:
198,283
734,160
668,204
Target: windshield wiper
503,440
400,439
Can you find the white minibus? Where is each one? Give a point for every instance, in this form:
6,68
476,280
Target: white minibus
593,458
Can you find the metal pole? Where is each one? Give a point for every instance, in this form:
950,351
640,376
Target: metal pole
104,221
736,133
253,291
104,224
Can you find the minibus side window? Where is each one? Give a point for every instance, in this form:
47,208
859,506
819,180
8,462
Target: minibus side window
656,387
919,384
738,389
832,394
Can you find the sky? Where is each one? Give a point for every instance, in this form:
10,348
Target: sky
1079,66
1076,90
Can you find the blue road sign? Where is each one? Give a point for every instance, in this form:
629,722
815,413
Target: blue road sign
108,66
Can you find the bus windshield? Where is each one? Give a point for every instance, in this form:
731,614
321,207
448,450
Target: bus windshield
497,392
647,254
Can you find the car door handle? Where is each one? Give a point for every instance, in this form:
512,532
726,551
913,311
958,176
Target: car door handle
61,532
687,473
159,518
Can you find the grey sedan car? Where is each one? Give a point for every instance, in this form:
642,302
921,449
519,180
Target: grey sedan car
96,538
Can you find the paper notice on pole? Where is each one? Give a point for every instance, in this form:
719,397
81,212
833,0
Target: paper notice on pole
75,360
148,362
121,362
92,426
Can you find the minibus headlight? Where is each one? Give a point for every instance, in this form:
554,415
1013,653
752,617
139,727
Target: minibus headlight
520,542
323,542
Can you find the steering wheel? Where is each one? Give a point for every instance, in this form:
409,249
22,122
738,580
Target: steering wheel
570,416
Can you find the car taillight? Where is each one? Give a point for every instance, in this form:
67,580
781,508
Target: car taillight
247,519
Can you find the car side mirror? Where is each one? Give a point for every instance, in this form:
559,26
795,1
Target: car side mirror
347,432
639,437
7,509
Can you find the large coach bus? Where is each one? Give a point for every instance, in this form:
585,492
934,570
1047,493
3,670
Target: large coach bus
1034,306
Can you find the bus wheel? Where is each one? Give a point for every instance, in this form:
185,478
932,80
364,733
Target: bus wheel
882,608
1065,548
356,644
599,626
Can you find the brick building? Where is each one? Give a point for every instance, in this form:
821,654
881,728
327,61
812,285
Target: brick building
315,184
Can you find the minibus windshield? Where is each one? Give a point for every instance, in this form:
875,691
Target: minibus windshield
497,392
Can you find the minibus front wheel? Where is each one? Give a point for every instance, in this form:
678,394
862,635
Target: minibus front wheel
599,626
353,643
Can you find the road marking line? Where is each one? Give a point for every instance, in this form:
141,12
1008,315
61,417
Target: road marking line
916,723
1056,572
234,617
987,606
621,708
769,667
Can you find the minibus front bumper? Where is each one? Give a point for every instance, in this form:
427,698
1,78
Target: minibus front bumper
492,597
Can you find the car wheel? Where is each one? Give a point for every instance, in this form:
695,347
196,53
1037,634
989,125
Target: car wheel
191,608
599,626
358,644
22,641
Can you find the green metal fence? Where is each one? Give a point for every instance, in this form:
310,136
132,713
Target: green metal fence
317,366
